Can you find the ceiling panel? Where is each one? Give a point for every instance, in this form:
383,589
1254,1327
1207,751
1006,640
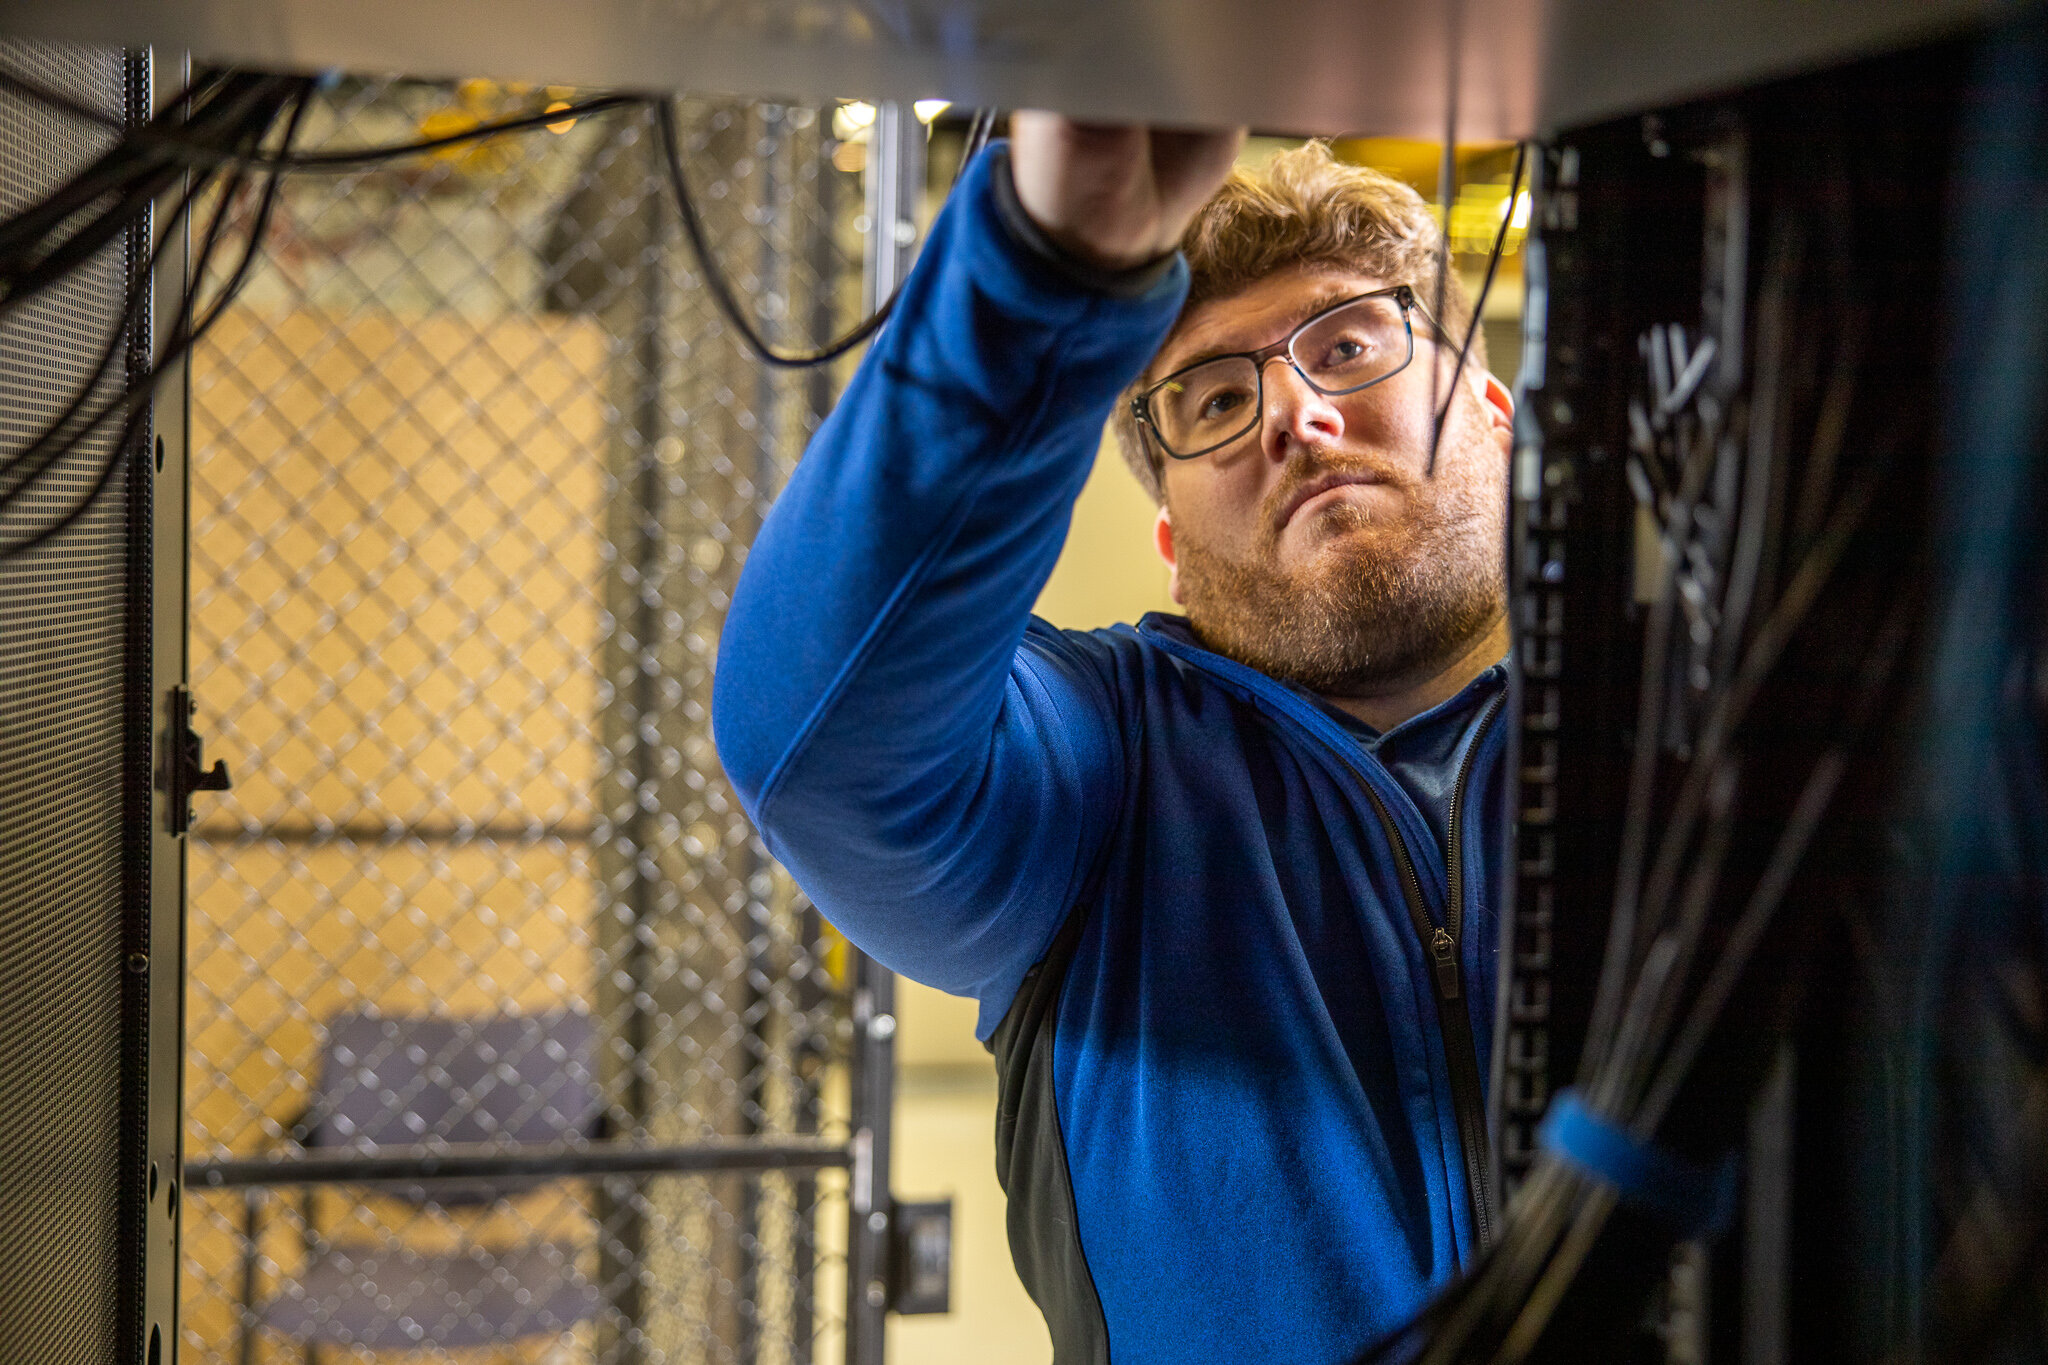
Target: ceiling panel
1313,66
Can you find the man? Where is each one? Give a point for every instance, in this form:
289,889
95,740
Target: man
1222,885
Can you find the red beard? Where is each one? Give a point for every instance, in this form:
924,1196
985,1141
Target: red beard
1384,600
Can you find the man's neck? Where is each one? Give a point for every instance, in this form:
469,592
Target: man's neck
1411,697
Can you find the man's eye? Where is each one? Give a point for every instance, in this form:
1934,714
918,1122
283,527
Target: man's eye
1346,351
1223,402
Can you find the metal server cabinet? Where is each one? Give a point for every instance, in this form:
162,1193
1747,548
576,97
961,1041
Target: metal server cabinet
90,876
1777,599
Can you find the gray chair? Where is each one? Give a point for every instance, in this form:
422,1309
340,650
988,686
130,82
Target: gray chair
389,1082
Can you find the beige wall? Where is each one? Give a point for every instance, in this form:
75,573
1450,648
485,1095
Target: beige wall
369,615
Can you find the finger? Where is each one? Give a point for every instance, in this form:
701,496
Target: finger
1188,166
1195,154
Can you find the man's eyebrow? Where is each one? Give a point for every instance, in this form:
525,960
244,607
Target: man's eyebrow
1331,293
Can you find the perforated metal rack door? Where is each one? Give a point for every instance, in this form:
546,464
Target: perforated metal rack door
74,784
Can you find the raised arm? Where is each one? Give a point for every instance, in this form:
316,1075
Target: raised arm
937,783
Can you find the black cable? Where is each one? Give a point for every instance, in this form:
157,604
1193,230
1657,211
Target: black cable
262,225
1780,625
192,153
42,94
1500,240
185,337
1769,643
243,107
54,443
1661,978
216,129
1617,956
1878,668
1651,1019
47,452
138,298
27,266
135,400
1547,1227
1446,195
979,129
58,437
216,113
721,289
1548,1240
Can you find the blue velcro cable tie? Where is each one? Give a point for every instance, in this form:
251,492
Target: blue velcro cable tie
1698,1200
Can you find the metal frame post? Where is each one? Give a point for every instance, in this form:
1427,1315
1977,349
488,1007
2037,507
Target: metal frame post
163,468
868,1198
895,186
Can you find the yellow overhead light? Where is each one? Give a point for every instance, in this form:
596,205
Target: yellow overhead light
927,110
851,122
1476,218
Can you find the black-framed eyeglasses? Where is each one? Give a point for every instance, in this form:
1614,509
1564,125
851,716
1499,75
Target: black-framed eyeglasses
1351,345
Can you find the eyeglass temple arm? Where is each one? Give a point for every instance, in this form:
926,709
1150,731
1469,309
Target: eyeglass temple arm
1414,301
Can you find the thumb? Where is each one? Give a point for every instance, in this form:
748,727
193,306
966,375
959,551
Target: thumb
1188,167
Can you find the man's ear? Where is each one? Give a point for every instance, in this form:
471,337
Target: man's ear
1162,541
1496,401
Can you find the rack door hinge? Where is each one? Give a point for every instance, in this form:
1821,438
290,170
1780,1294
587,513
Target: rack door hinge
182,771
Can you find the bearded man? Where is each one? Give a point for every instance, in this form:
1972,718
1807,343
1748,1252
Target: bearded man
1224,886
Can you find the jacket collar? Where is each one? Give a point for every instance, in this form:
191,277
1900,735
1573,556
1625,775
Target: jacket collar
1174,634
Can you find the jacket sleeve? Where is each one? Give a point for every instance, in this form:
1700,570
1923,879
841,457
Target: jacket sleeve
938,783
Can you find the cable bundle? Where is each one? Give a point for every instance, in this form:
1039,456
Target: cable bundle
1718,820
222,123
228,130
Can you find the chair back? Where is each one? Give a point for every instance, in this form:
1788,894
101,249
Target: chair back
410,1081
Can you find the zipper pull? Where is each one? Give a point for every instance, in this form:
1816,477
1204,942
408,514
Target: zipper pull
1444,949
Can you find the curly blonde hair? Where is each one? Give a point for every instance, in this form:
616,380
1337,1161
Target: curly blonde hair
1304,208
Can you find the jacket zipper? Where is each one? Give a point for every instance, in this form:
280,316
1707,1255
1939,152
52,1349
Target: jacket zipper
1440,944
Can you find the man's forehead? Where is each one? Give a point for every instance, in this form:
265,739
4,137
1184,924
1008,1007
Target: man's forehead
1257,315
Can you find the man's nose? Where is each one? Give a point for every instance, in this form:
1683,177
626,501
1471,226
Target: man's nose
1295,413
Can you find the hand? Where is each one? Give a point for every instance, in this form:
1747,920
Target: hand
1115,195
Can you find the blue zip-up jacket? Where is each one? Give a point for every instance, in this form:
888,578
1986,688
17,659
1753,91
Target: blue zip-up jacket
1239,1000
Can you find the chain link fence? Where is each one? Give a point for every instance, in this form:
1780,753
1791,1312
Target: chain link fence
475,463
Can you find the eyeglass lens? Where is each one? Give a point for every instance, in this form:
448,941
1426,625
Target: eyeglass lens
1216,402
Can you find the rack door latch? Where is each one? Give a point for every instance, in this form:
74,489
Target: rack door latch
921,1258
183,771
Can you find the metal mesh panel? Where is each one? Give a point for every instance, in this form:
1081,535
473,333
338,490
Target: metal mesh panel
70,746
475,465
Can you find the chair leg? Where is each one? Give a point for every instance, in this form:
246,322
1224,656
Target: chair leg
252,1238
310,1236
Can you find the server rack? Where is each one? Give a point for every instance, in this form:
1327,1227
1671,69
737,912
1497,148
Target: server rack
89,885
1760,427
